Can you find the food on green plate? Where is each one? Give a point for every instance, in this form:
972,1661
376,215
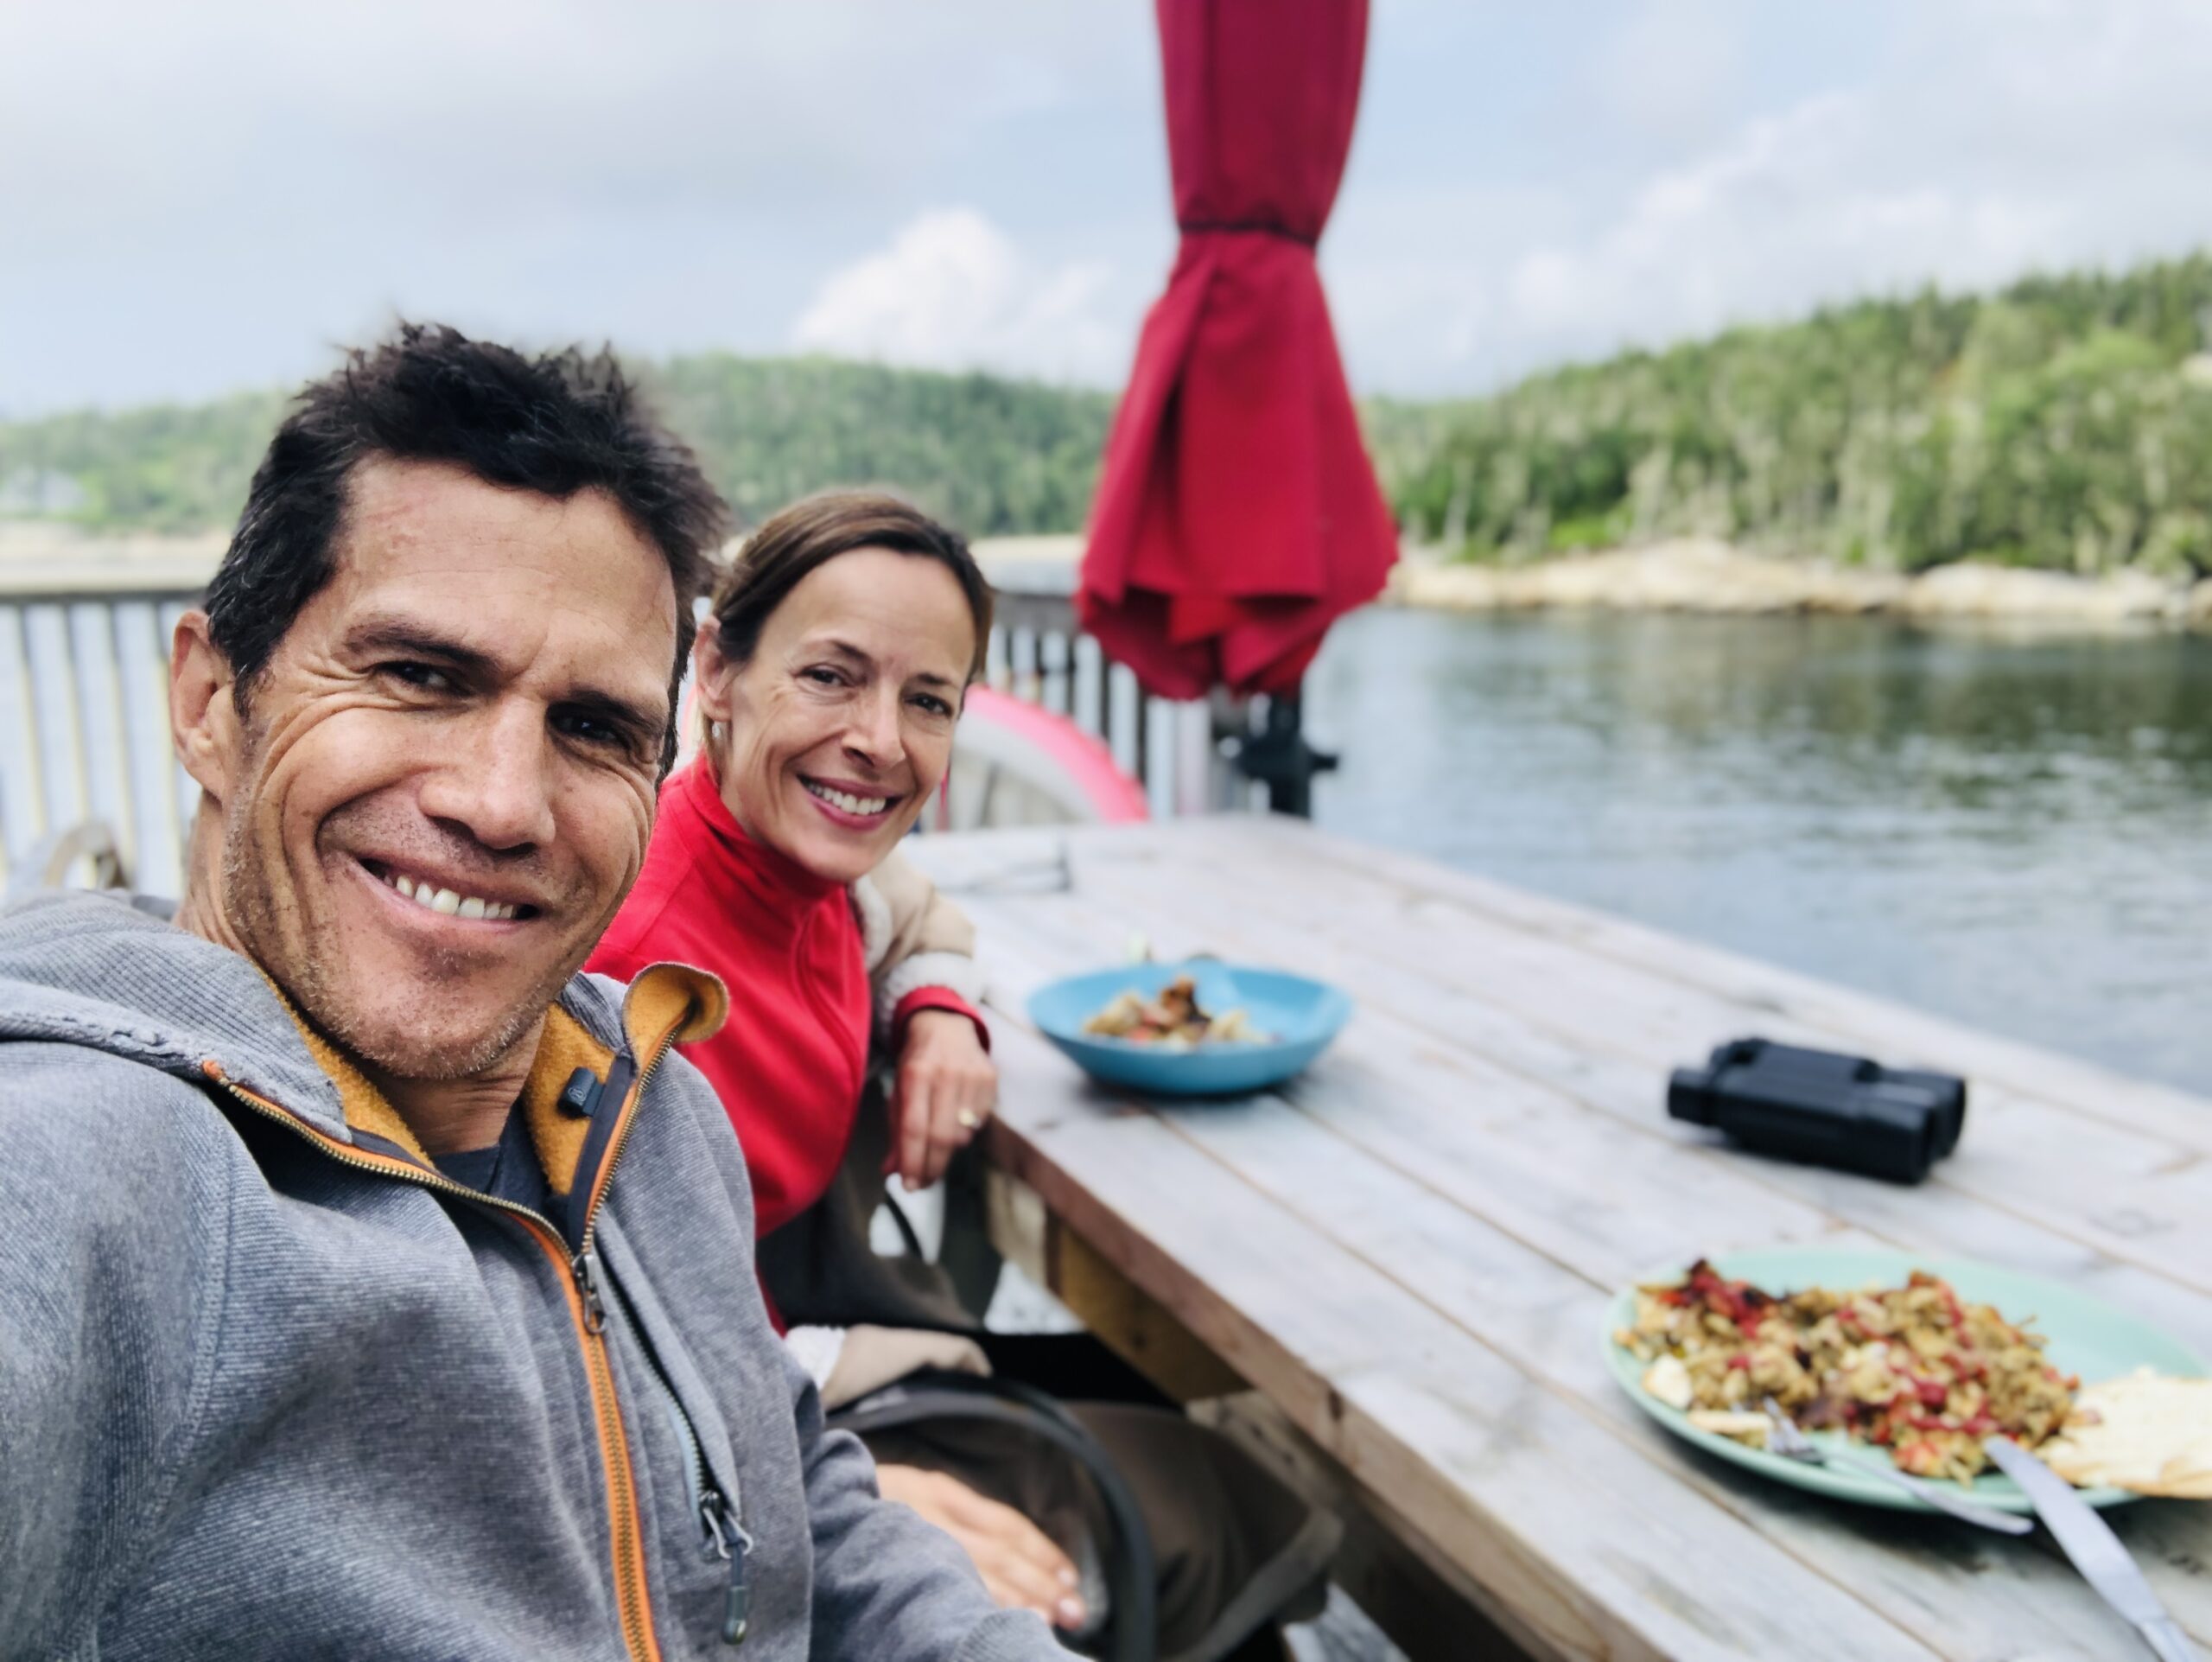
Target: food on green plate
1744,1426
1172,1020
1912,1369
2144,1432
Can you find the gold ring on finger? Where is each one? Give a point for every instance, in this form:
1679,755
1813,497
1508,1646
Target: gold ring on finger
967,1120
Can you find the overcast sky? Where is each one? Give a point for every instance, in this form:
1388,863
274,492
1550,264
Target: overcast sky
194,198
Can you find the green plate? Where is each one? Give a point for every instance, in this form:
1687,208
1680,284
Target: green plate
2086,1337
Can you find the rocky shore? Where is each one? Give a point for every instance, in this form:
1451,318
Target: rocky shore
1695,575
1688,575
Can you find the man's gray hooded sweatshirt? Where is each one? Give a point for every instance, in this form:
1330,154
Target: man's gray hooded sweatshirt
272,1386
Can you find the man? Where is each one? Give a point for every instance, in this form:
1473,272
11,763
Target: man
377,1286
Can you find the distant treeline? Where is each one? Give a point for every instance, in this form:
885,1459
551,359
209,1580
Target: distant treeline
2065,422
995,456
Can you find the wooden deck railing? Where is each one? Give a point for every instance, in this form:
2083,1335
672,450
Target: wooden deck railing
83,686
1040,653
85,740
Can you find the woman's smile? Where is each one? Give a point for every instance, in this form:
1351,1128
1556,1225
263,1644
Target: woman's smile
855,806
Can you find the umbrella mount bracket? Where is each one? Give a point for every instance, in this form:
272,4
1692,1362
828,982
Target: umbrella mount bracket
1276,753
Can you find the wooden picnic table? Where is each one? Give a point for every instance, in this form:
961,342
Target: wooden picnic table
1406,1253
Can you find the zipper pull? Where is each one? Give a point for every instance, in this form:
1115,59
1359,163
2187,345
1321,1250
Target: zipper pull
727,1539
737,1605
585,1265
579,1095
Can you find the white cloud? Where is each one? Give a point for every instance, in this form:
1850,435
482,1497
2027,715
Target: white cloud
1795,209
193,198
952,291
1987,140
196,197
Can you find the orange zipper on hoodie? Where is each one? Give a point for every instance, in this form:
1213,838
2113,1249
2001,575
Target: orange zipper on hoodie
666,1003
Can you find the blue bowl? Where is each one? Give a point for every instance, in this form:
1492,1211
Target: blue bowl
1302,1016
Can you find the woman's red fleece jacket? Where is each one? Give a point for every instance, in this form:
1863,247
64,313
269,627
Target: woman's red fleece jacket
790,1063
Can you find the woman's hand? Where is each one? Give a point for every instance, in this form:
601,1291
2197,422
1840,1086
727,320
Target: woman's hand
1020,1567
946,1089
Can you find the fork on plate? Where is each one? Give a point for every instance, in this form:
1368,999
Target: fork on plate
1784,1438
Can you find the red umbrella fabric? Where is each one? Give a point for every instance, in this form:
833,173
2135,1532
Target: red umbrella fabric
1237,515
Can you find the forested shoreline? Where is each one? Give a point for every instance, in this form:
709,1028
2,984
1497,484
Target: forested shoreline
996,456
2062,424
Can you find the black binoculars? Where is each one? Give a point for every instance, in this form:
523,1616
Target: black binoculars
1819,1106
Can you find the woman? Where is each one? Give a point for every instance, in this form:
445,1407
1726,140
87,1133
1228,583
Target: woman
829,680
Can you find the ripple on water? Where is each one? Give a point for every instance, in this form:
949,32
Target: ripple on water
2014,833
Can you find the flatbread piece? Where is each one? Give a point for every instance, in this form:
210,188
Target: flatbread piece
2143,1432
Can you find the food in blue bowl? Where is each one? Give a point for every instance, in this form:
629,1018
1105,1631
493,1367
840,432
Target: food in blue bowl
1200,1028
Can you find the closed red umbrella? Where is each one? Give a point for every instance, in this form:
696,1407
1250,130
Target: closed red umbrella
1237,515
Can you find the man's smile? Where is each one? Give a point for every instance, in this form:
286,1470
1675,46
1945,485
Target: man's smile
464,899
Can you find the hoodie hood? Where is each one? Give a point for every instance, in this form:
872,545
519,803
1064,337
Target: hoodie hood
112,973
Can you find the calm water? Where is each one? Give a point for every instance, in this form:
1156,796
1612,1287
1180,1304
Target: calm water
2012,833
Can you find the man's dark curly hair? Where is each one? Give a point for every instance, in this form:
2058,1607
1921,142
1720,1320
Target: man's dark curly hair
556,424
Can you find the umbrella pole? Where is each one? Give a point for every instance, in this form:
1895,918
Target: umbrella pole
1279,758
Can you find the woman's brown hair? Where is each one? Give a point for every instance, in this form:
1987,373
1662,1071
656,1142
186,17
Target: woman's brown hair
816,530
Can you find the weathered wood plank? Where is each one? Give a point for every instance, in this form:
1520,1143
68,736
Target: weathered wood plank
2155,1207
1973,1596
1514,1074
1420,1217
1112,1308
1583,1551
1421,1602
1424,892
2078,1086
1698,1180
1471,1111
1390,1087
